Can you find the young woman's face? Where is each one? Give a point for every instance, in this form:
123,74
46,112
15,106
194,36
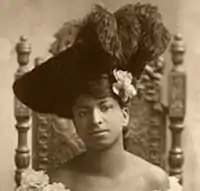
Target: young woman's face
99,122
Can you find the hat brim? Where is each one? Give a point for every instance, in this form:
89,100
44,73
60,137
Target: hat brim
39,88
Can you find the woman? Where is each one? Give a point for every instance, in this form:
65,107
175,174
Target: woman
91,81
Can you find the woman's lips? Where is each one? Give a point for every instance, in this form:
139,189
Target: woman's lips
99,132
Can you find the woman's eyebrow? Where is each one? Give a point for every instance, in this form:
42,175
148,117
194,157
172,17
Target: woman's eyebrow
103,102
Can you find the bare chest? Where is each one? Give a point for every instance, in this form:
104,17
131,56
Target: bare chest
97,183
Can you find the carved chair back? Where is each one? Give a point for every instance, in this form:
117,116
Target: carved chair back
54,140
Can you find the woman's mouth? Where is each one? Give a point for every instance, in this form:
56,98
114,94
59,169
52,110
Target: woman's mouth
98,132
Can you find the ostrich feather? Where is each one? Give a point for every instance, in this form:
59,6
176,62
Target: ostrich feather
143,35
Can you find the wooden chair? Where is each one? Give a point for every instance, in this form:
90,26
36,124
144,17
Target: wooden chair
54,140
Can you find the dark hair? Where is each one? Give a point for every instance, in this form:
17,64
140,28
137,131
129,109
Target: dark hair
99,87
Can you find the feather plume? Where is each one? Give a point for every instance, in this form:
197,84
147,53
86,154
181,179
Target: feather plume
143,35
132,36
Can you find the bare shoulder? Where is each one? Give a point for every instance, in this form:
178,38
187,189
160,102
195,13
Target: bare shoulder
156,177
64,174
60,174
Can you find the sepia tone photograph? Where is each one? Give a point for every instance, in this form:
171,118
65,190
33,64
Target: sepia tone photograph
99,95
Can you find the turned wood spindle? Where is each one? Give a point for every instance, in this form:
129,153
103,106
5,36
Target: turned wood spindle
22,113
177,106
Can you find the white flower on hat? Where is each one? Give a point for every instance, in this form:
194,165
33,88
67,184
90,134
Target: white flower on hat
123,86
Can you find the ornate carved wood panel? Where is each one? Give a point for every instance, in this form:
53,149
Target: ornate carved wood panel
40,141
146,136
147,128
65,143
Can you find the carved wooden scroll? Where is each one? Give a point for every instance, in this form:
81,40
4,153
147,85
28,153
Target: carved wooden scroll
177,106
22,113
40,136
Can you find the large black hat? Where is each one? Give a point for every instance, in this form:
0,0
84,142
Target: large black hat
127,40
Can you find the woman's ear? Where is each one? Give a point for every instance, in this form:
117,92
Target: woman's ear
125,112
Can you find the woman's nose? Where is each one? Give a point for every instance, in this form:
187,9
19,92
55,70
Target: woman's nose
96,116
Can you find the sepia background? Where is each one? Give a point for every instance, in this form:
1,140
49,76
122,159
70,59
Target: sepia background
39,19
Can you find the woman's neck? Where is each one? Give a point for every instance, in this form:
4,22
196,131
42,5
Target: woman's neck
109,162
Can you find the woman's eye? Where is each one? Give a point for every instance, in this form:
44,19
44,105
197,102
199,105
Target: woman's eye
82,113
105,108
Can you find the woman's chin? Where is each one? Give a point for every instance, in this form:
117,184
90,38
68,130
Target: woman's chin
100,144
